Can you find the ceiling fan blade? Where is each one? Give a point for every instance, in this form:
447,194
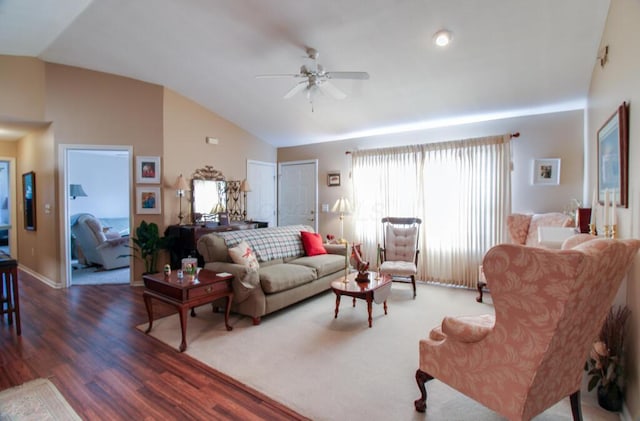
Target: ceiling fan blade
348,75
278,75
297,88
329,89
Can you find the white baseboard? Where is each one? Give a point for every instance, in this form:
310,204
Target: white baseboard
40,277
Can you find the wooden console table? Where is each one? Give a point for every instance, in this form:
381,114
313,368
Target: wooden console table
186,294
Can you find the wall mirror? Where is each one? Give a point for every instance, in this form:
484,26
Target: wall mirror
208,195
29,195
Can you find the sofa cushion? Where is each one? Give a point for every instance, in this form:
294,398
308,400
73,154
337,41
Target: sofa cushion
243,255
285,276
324,264
312,243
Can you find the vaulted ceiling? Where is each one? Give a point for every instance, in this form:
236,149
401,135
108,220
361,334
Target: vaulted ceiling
507,56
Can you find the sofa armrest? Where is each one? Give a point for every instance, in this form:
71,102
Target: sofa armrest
339,249
245,280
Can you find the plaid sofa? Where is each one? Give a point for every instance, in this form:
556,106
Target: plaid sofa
285,276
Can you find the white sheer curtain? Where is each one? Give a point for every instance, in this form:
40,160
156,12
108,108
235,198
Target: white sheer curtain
461,190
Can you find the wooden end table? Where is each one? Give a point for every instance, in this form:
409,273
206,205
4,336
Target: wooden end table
373,290
187,293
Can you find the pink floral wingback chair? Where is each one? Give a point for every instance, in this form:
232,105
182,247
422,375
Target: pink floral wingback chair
549,306
523,229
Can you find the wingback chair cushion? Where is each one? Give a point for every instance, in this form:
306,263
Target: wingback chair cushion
549,305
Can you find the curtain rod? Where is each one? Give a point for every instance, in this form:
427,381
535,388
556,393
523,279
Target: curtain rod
511,135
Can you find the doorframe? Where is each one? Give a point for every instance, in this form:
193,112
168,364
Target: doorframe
63,194
13,208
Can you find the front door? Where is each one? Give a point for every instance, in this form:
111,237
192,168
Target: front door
298,193
261,200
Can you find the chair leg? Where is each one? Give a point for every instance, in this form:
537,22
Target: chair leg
480,286
413,282
576,407
421,379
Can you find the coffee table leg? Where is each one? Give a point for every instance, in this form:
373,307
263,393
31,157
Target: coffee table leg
227,311
149,306
354,301
337,305
370,307
183,327
385,307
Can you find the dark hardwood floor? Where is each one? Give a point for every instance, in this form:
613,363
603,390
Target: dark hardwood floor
84,340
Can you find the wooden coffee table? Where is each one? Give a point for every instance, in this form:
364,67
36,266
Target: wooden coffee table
186,294
373,290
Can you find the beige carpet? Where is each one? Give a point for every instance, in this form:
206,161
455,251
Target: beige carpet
35,400
336,369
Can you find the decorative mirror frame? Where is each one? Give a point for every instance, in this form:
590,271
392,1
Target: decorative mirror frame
210,174
29,197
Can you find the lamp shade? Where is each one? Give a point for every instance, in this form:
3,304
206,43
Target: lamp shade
218,208
342,205
181,183
244,186
76,190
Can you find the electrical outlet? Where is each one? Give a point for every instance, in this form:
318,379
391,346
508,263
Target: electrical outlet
325,207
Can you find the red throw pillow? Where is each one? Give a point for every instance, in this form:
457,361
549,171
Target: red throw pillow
312,243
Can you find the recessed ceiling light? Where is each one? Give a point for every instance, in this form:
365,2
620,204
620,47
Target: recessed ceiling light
442,38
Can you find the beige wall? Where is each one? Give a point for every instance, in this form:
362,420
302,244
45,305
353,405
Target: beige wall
559,135
22,85
612,84
186,125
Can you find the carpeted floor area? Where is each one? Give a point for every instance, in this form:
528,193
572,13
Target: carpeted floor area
35,400
332,369
92,275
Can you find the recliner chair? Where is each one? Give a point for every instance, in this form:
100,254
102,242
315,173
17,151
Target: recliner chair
99,246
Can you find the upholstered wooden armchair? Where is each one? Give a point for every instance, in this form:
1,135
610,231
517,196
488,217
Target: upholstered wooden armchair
549,306
399,250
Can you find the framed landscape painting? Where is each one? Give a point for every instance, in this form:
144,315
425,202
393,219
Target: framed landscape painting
613,156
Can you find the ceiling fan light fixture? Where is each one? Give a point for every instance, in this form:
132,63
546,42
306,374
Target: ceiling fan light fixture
442,38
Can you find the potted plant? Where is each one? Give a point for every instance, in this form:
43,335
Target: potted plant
147,245
605,364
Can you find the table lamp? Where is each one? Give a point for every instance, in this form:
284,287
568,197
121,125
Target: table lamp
342,206
181,187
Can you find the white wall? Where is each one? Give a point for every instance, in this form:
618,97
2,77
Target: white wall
104,176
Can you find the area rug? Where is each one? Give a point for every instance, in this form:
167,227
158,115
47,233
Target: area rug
35,400
335,369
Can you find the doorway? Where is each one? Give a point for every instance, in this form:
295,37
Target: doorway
97,216
7,205
298,193
261,200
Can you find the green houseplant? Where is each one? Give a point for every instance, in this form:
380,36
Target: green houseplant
147,245
605,364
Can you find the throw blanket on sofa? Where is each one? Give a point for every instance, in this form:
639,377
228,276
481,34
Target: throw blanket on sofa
269,243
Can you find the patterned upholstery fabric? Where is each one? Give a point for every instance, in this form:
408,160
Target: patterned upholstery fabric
523,228
549,305
269,243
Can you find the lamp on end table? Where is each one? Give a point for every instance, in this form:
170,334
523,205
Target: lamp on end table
342,206
181,187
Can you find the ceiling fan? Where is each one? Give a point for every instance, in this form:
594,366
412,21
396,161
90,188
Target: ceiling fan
315,78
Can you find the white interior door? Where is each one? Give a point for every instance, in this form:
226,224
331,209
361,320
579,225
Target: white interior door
261,200
298,193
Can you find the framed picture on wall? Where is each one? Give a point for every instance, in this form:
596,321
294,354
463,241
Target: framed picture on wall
333,179
148,169
29,195
148,200
546,172
613,156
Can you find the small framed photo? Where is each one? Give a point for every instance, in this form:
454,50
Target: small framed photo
148,200
546,172
333,179
148,169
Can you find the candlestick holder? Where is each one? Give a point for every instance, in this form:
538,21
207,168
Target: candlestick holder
592,229
614,229
607,231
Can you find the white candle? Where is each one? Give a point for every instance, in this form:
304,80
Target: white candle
594,207
605,217
613,208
